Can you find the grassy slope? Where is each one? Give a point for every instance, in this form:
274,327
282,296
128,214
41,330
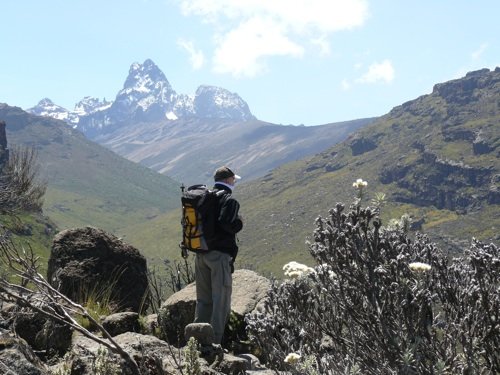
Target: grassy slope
30,230
281,208
88,184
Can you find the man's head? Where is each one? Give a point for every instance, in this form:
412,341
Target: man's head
226,175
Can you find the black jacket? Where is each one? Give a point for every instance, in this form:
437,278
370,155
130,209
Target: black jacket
228,223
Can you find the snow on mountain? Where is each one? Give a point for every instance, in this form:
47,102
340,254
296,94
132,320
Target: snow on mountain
145,88
90,105
147,96
216,102
48,108
184,105
86,106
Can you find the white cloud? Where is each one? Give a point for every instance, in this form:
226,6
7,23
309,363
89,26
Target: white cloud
290,26
196,57
477,53
240,52
378,72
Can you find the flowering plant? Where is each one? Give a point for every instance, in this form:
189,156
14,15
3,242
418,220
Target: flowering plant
379,302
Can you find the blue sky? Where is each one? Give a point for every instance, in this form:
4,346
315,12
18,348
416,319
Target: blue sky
293,61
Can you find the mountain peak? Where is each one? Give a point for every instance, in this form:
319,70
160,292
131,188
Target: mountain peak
90,105
144,75
47,108
216,102
147,96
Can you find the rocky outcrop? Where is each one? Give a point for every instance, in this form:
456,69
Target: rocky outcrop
154,356
359,145
482,145
430,180
85,261
460,91
4,152
3,136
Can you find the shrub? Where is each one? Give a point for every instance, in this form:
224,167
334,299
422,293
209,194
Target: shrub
379,302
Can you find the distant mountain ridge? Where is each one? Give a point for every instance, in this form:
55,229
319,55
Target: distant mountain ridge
189,136
147,96
189,150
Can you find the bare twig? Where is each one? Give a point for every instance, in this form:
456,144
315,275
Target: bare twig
48,301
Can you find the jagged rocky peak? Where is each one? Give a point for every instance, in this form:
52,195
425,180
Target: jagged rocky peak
90,104
147,78
216,102
146,95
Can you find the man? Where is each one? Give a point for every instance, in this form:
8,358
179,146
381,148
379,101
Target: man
213,269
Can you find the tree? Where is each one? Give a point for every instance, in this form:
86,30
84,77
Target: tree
21,187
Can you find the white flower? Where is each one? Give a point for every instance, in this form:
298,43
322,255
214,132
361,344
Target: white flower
292,358
294,269
419,267
359,184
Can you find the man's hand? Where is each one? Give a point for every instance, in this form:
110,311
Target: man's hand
231,264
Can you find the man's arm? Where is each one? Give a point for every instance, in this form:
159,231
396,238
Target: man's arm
229,219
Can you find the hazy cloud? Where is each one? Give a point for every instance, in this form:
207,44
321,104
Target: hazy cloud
378,72
196,57
248,31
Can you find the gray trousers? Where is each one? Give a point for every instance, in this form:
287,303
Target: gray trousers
214,285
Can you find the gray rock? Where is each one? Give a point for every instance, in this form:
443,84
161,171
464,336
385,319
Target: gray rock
233,365
41,333
176,313
88,260
150,325
252,361
202,332
122,322
17,358
249,290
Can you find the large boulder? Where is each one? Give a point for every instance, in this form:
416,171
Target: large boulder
90,262
249,290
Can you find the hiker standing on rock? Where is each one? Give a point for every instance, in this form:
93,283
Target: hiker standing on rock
213,269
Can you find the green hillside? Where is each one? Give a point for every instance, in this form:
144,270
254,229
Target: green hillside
436,158
88,184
